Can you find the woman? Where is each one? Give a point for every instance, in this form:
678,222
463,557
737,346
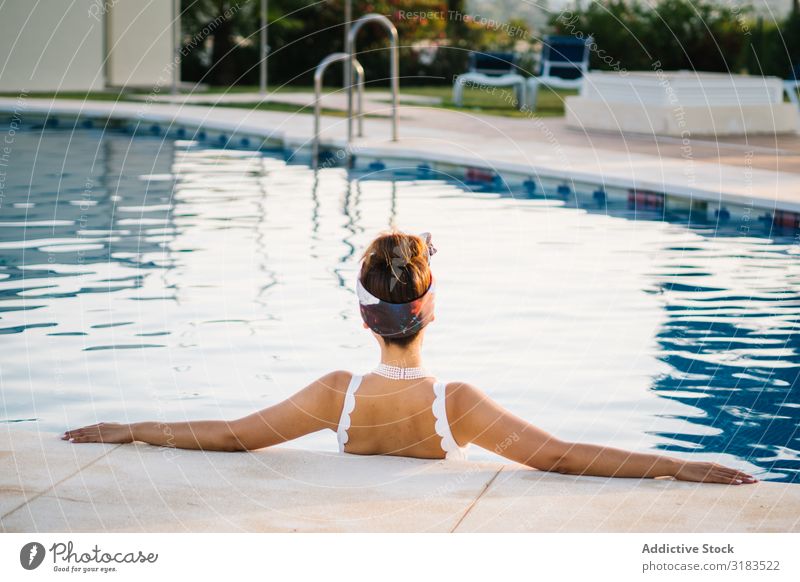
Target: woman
399,408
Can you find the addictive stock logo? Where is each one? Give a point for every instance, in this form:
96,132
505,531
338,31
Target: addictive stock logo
31,555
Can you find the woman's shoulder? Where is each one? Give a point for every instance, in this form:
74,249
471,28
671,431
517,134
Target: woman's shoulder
336,381
329,392
461,400
461,397
459,390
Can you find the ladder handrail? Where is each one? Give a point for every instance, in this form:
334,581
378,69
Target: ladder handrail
394,67
319,72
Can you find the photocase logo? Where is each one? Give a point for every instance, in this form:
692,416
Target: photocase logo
31,555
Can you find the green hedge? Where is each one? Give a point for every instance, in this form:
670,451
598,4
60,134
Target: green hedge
220,38
303,32
683,34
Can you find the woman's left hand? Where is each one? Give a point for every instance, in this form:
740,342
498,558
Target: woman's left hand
104,432
712,473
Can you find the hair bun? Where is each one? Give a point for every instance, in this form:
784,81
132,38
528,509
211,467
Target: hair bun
396,266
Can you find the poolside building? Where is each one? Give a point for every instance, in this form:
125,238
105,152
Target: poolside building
87,45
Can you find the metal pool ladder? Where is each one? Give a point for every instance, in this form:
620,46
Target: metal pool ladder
318,75
394,66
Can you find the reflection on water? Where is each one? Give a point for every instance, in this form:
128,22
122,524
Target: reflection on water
731,341
147,278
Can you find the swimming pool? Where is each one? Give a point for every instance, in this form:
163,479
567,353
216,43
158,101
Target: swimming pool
152,278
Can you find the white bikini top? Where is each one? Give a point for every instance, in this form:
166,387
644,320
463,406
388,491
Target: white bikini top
442,426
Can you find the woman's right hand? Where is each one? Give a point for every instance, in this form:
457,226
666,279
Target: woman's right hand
712,473
104,432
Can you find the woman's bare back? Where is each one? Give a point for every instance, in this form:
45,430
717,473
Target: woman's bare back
393,417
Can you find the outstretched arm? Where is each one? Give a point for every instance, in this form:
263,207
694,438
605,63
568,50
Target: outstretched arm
315,407
476,418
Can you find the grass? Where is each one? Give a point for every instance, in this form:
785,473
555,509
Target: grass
499,101
288,108
110,95
126,96
495,101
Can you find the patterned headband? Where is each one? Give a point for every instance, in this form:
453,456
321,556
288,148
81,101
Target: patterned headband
398,320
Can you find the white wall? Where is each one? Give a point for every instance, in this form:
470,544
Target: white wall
140,43
54,45
50,45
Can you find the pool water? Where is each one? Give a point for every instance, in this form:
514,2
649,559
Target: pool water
145,278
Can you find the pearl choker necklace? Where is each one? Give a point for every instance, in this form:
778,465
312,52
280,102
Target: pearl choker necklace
397,373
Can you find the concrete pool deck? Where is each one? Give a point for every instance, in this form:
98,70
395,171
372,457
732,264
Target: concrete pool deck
50,485
761,172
